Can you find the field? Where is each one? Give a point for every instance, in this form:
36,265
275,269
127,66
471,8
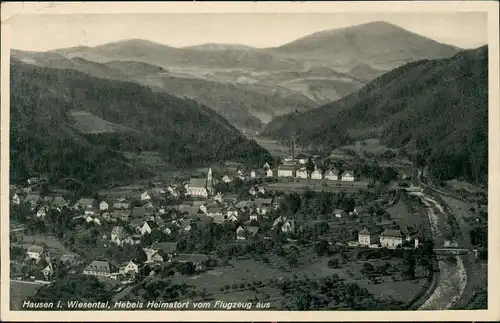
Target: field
87,123
55,246
401,213
310,267
19,291
275,148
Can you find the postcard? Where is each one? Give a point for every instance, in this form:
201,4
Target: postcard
250,161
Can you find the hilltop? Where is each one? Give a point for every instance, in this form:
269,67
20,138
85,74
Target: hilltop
46,139
438,107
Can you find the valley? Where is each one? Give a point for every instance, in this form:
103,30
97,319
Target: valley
345,170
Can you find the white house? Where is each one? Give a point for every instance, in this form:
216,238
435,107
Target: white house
332,175
252,174
129,267
226,179
391,239
35,252
42,211
301,173
364,237
148,226
316,174
269,173
288,226
16,200
232,218
338,213
101,268
48,270
266,166
103,206
118,234
145,196
286,171
348,175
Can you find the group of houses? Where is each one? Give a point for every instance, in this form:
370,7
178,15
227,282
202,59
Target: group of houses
294,171
388,238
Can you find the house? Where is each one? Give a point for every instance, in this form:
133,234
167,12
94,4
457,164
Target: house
138,212
102,269
132,240
269,173
129,267
84,203
364,237
68,258
301,173
33,180
89,219
103,206
16,199
332,175
226,179
232,218
59,202
253,215
148,226
252,191
348,175
242,205
32,200
252,174
279,220
136,224
286,170
145,196
198,260
201,187
124,215
240,233
266,166
164,251
288,226
391,239
91,211
338,213
42,211
188,209
35,252
263,205
218,218
317,174
118,234
231,211
121,206
247,232
214,211
48,270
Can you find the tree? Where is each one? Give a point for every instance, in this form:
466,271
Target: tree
310,166
333,263
322,247
186,268
303,301
409,261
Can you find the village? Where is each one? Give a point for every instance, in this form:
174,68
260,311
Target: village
125,240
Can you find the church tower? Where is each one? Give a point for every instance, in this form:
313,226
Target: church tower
210,182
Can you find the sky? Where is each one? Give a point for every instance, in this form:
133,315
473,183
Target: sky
46,32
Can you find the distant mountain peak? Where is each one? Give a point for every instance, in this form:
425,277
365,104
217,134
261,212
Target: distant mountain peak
219,46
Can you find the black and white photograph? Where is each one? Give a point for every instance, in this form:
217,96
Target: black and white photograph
249,161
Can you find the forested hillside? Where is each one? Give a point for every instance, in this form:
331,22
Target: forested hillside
437,107
44,140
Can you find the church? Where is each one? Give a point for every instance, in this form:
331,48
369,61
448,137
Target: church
201,187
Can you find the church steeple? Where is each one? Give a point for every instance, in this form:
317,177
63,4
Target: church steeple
210,181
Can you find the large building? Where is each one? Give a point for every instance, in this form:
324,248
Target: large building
391,239
286,170
101,268
201,187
